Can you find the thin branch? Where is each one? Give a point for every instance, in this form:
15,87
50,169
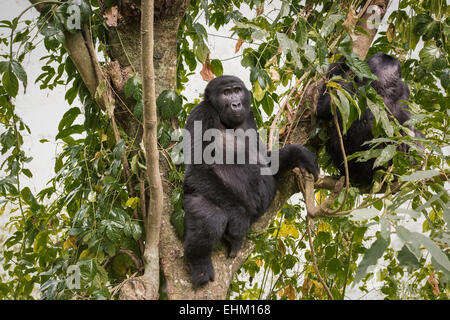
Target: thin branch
344,157
155,208
313,257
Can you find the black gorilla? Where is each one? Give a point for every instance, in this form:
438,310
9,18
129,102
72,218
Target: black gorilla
221,201
394,93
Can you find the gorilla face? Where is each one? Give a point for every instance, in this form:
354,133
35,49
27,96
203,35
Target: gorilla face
230,98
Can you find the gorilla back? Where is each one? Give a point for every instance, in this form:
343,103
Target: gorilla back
395,94
225,195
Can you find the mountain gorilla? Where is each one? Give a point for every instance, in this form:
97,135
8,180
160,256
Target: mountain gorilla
222,199
395,94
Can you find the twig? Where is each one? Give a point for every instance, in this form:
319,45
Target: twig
364,9
313,257
347,269
344,157
274,122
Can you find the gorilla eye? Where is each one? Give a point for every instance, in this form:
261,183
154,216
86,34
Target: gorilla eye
227,92
237,90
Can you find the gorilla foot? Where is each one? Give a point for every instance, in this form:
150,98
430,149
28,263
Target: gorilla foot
202,274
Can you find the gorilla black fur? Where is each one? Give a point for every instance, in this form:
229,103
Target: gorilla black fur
394,93
221,201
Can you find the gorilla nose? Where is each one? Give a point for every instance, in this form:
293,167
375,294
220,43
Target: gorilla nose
236,106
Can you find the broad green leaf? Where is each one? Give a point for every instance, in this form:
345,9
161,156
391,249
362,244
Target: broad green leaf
386,155
10,83
29,198
133,88
288,45
168,104
330,23
344,108
40,242
409,240
445,78
217,67
119,149
407,258
433,249
75,129
419,175
68,118
4,66
359,215
413,213
258,93
370,258
433,58
201,50
19,71
302,32
385,228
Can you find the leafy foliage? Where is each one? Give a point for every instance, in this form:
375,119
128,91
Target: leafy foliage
87,220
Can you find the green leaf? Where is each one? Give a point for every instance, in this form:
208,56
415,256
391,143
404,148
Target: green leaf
200,49
260,76
385,228
10,83
445,78
408,259
288,45
302,32
29,199
409,240
433,249
419,175
217,67
19,71
189,58
168,104
267,104
386,155
344,108
138,110
118,149
413,213
370,258
359,215
40,242
4,66
177,221
433,58
329,24
136,231
426,26
75,129
68,118
133,88
112,232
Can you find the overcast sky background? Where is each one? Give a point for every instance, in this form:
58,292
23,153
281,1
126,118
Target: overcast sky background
43,109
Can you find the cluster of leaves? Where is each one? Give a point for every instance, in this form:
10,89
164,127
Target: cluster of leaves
293,45
86,218
84,222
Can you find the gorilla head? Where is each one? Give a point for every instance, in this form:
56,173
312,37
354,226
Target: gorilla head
229,96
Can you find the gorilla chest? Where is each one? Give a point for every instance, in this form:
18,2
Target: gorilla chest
246,184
